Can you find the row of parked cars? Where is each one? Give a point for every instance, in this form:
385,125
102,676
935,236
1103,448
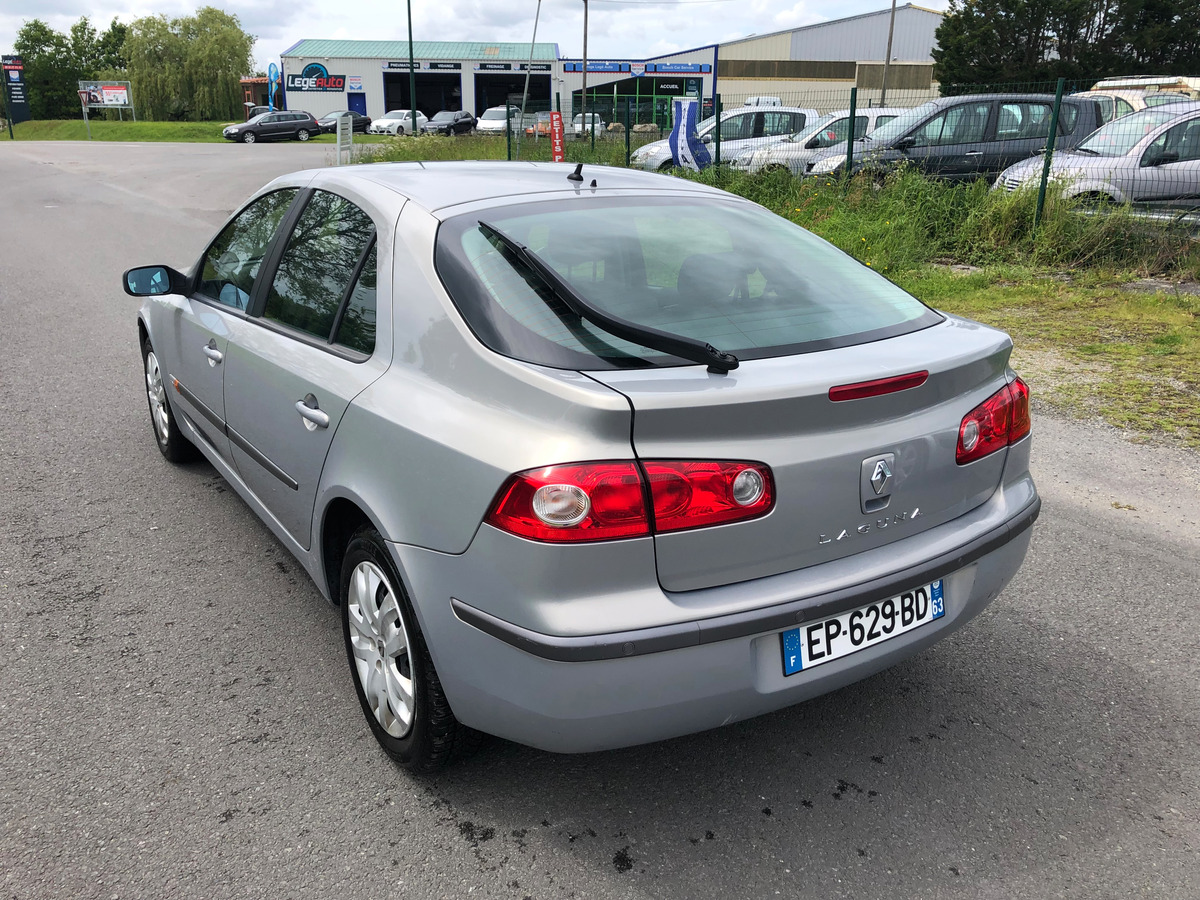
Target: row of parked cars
1105,149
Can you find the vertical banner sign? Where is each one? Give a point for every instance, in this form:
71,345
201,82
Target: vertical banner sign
16,101
272,81
556,136
687,150
345,137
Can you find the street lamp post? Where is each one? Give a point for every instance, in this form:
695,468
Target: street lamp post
412,73
887,59
583,98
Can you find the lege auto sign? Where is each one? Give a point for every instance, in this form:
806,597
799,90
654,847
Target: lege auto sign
316,77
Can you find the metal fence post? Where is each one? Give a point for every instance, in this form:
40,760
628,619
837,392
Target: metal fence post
628,128
1041,200
508,127
717,130
850,133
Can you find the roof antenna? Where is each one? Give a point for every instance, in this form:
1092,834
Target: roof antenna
577,175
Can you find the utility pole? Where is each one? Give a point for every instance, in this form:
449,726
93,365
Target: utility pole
887,62
412,73
584,91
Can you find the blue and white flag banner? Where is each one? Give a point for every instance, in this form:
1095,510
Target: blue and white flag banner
687,150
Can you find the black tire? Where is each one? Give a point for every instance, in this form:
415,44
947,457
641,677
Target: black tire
302,134
248,137
667,166
170,440
432,737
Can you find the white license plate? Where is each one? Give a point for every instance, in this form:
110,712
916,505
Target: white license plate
854,630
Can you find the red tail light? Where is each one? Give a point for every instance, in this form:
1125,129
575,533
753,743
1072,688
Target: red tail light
602,501
998,421
696,494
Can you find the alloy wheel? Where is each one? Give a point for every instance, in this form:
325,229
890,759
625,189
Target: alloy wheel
157,396
380,645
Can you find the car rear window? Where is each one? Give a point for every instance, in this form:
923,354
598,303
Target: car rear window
721,271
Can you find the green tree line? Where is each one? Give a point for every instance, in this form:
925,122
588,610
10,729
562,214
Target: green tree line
184,69
998,41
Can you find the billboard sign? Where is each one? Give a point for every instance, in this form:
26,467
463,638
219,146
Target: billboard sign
557,137
106,94
16,101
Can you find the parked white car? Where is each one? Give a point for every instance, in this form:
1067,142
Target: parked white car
595,123
493,120
742,128
1149,158
796,151
396,121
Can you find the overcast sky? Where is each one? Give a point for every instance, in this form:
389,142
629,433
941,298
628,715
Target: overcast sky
631,29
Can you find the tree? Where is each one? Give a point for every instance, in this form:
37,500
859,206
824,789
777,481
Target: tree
997,41
51,74
188,68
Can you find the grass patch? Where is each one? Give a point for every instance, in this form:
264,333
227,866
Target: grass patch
1092,350
181,132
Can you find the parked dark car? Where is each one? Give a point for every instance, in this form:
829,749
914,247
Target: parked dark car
281,125
968,137
450,121
358,122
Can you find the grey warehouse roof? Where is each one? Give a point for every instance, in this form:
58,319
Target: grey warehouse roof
480,50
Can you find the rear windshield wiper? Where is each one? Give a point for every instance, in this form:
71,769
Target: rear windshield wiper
674,344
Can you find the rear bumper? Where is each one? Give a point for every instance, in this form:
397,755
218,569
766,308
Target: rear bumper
594,692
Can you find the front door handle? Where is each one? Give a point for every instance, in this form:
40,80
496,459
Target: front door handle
973,153
312,415
214,355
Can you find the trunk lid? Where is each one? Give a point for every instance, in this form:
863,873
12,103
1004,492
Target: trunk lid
822,453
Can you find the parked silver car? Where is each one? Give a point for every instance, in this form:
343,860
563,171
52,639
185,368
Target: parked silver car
1149,158
796,151
585,470
741,128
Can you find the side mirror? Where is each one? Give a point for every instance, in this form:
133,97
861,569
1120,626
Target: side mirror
905,143
150,281
707,139
813,143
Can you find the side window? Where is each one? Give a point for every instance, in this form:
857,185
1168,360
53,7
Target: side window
1027,121
1068,116
860,127
234,258
357,328
882,120
1183,141
776,123
958,125
318,264
1123,108
738,128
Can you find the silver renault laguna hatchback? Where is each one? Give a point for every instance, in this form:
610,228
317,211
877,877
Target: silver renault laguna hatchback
589,458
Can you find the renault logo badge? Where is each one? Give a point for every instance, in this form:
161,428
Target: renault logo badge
881,477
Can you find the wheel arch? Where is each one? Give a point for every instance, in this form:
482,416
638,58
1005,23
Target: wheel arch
341,518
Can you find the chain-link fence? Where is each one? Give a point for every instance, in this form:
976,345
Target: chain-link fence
1115,147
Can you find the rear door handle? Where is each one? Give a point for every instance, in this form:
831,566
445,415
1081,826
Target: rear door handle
214,355
973,153
312,415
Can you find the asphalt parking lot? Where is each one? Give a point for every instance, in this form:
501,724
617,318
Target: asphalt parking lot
177,718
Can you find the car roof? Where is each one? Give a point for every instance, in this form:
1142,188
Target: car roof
437,186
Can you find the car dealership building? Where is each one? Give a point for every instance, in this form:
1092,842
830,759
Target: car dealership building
371,77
